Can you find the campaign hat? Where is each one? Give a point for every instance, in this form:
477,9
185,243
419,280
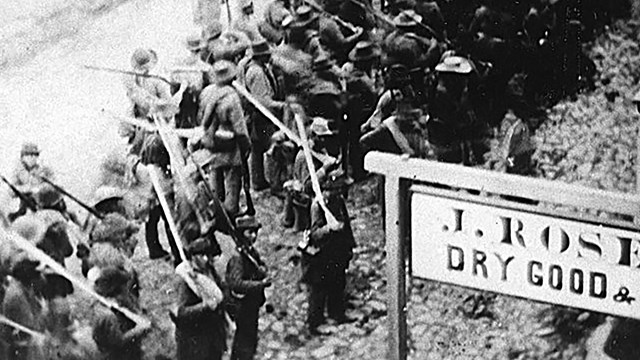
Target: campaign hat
29,148
322,63
260,48
212,31
193,42
305,15
224,71
454,64
364,50
407,18
142,59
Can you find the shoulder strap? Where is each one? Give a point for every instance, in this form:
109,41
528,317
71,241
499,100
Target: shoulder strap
398,136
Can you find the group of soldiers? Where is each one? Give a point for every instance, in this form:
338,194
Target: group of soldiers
288,103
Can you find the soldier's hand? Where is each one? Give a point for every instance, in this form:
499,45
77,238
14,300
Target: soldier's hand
358,31
337,226
266,282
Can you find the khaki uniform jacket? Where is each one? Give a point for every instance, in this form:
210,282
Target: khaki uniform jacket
221,108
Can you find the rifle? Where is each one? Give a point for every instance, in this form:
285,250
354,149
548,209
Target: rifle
26,199
335,18
389,22
246,186
243,248
126,72
45,259
269,115
331,219
90,209
38,336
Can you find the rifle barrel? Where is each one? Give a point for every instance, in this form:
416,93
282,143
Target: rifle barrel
90,209
127,72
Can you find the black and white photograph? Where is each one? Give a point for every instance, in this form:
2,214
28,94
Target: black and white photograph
320,180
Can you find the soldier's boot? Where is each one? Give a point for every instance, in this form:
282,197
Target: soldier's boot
289,215
302,217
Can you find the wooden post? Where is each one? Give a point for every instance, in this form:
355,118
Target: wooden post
396,274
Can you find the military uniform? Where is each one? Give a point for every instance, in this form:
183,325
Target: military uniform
195,73
361,102
271,27
262,83
246,284
456,128
200,321
334,41
26,178
325,271
226,134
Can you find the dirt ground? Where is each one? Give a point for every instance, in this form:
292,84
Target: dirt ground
47,97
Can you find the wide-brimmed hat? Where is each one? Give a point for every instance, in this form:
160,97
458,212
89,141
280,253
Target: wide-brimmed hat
407,18
48,196
29,149
143,59
212,31
260,48
104,193
364,50
114,229
455,64
320,127
30,227
336,179
193,42
305,15
322,63
247,222
224,71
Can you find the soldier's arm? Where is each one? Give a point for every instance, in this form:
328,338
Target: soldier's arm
235,279
259,86
238,122
189,313
320,231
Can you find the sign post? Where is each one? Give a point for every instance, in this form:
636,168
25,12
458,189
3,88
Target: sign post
531,238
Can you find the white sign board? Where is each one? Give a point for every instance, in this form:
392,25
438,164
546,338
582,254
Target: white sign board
513,252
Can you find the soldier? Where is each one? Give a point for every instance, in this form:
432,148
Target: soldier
200,319
226,134
23,303
401,133
279,161
246,22
112,243
298,190
407,47
26,177
195,73
144,92
456,128
118,337
303,32
48,235
262,83
326,259
210,41
155,154
247,283
361,101
271,28
331,35
397,87
229,45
